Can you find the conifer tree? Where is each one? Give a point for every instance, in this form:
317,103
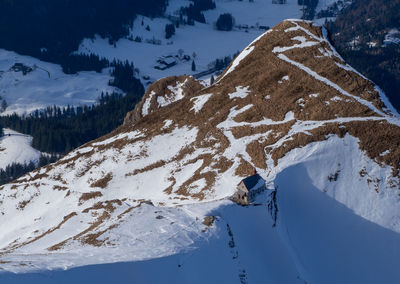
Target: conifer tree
169,30
4,105
193,66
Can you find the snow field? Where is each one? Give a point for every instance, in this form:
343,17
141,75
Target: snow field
208,44
46,85
16,148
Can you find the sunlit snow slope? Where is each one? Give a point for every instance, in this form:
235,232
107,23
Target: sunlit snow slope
16,148
323,137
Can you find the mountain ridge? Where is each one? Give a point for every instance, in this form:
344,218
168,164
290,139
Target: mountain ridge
288,99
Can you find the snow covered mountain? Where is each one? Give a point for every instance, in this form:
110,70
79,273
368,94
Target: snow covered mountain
323,137
28,84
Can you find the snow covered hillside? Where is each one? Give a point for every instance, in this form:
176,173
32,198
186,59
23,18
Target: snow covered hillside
27,84
155,192
203,40
16,148
317,240
45,84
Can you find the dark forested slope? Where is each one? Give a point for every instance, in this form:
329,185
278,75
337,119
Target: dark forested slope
51,30
359,34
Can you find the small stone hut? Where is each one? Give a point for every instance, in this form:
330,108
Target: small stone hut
248,188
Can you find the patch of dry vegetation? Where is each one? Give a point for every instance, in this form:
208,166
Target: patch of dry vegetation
153,166
208,221
59,187
103,182
21,205
161,88
106,205
89,195
244,169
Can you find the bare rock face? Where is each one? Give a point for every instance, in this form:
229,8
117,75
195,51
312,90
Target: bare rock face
287,99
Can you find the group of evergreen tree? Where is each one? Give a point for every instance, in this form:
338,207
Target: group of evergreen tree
124,78
222,63
51,30
169,30
73,63
309,8
225,22
330,11
369,22
16,170
59,130
3,104
194,11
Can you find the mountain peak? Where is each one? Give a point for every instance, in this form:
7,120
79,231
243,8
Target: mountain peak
287,99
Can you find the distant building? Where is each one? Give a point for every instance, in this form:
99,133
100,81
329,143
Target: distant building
19,67
393,37
248,188
165,63
279,1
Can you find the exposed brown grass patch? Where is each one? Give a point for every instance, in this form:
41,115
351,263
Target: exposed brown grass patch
106,205
153,166
89,195
222,164
21,205
244,169
208,221
160,88
257,154
59,178
93,238
103,182
4,261
59,187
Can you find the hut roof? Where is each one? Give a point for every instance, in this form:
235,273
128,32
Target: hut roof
251,182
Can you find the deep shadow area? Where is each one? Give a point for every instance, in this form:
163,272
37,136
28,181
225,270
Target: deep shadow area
330,243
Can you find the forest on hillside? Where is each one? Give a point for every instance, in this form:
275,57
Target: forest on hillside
358,34
50,30
59,130
56,130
